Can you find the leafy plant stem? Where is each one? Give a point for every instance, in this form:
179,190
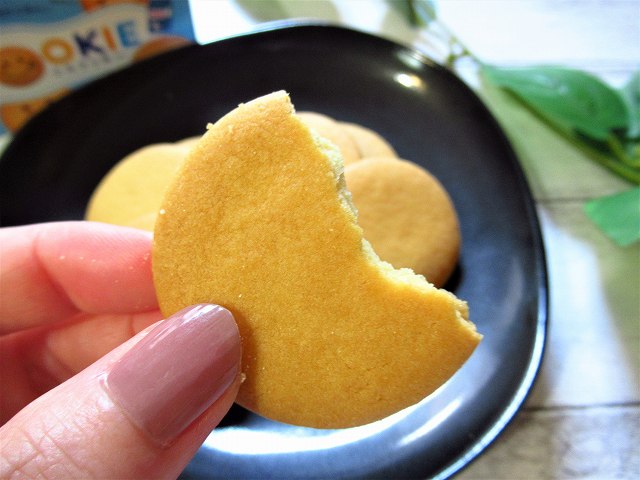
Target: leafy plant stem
618,150
623,169
600,143
457,49
414,18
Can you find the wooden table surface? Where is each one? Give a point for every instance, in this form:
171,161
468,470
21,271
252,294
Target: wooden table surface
582,419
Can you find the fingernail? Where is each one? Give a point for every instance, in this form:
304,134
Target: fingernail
177,370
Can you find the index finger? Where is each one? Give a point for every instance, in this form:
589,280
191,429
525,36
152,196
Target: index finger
51,271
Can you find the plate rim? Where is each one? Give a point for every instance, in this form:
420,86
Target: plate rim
527,381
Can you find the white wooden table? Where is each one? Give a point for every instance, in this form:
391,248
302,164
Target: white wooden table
582,419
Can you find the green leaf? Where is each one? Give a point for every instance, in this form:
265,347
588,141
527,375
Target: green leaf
617,215
624,152
571,98
631,94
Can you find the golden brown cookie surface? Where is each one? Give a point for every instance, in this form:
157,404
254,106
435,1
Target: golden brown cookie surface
189,142
330,129
15,115
407,216
132,191
369,142
160,45
257,220
90,5
19,66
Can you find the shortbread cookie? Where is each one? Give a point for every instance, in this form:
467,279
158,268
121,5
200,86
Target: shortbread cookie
16,115
407,216
134,187
330,129
159,45
369,142
258,220
189,142
144,222
20,66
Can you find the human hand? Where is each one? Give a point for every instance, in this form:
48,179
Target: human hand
80,294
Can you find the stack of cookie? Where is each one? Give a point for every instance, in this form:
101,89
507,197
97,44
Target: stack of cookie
259,219
404,211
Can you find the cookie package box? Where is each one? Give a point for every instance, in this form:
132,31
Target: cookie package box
50,47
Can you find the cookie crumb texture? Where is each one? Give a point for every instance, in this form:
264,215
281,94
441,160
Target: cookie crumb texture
256,220
407,216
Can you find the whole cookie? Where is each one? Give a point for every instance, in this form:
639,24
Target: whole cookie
330,129
144,222
159,45
90,5
19,66
189,142
407,216
15,115
132,191
258,220
369,142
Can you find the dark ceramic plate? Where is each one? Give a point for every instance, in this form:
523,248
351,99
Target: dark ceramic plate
431,117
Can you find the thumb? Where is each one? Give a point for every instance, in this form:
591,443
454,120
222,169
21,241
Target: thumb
143,410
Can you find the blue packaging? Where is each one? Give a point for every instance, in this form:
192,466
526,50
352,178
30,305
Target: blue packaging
50,47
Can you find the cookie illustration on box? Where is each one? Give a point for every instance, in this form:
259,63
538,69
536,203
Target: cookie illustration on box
159,45
15,115
90,5
19,66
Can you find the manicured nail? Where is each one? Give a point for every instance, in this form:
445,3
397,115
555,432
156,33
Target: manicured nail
177,370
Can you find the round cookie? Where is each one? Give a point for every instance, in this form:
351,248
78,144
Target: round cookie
407,216
143,222
369,142
19,66
15,115
258,220
131,193
159,45
91,5
330,129
189,142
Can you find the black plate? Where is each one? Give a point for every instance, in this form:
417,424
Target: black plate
431,117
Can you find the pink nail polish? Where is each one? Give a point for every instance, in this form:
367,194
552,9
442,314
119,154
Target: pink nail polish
177,371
